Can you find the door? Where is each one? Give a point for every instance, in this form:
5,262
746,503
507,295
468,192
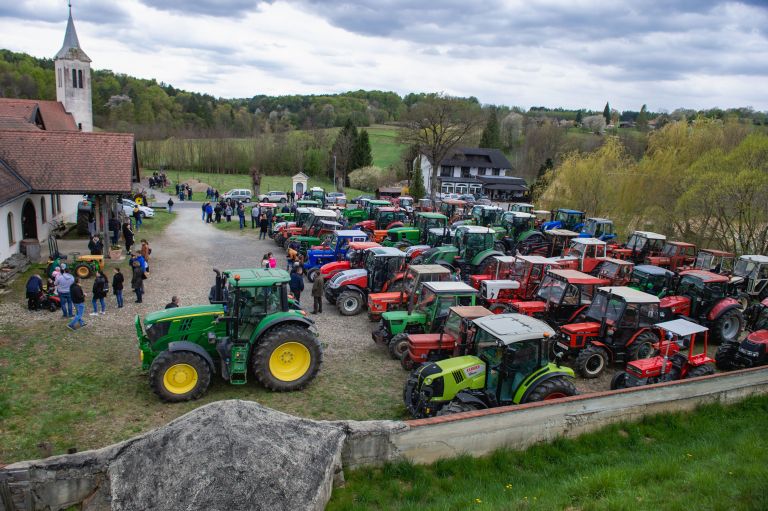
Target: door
299,189
28,221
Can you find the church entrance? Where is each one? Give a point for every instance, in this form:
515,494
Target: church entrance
299,189
28,221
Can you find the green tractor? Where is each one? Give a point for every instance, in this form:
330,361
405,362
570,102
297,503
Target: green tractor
426,316
520,233
511,367
472,249
419,233
249,325
318,195
364,212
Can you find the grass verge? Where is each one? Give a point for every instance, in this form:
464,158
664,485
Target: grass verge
714,458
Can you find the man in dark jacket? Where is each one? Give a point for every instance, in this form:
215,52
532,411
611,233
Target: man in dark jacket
114,228
297,283
174,303
78,298
96,246
128,235
137,280
317,294
34,288
117,287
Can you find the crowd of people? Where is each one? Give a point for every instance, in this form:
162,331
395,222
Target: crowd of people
158,180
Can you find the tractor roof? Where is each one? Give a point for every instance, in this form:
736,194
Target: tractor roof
455,202
432,215
600,220
520,214
588,241
576,277
506,259
512,328
329,223
389,209
450,287
523,204
654,270
760,259
620,262
570,211
476,229
303,210
682,327
387,252
534,259
471,311
705,276
324,213
351,233
630,295
316,188
650,235
487,206
267,205
428,268
681,244
561,232
379,202
258,277
717,253
362,245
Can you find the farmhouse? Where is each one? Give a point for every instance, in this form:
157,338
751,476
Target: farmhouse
475,170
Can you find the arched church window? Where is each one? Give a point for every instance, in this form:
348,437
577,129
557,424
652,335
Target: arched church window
11,241
42,209
59,83
79,79
74,78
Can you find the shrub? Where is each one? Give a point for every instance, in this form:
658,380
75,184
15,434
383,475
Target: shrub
371,178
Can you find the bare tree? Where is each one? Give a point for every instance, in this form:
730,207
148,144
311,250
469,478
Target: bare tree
437,124
255,181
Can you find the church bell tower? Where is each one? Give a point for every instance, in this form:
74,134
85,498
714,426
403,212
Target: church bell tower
73,78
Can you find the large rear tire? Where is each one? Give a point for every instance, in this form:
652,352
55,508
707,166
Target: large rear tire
704,370
456,407
725,356
398,345
82,270
287,358
642,347
554,388
177,376
619,380
350,303
728,327
591,361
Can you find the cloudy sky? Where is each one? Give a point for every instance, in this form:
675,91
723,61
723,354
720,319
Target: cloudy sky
570,53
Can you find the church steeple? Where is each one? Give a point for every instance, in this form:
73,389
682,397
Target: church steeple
71,48
73,78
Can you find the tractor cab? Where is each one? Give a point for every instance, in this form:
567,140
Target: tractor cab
671,363
517,222
425,206
334,248
511,367
354,259
520,233
374,204
414,277
522,207
654,280
451,341
303,218
705,297
750,276
439,236
454,209
561,296
486,216
641,244
716,261
556,242
526,270
600,228
583,254
318,194
617,271
674,255
569,219
405,203
424,222
387,217
401,237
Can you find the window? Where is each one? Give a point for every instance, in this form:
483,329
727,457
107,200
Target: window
53,206
11,241
58,203
446,171
487,172
79,79
464,171
42,209
495,172
58,76
74,78
448,188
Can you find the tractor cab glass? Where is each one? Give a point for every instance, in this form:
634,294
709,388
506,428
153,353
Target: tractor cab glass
714,262
695,287
257,302
581,250
522,207
486,215
598,228
568,218
438,236
384,217
380,269
750,268
606,306
650,282
610,270
507,365
555,290
406,202
515,222
317,194
472,243
433,221
373,205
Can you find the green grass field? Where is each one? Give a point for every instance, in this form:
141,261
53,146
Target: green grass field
384,146
713,459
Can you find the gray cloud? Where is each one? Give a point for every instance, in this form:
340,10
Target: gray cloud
92,11
218,8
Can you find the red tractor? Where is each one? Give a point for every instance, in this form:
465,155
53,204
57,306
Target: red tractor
670,364
674,255
414,277
641,244
619,272
618,326
383,219
354,259
583,254
527,270
704,297
753,350
450,341
716,261
561,297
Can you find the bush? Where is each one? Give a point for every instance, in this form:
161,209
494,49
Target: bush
371,178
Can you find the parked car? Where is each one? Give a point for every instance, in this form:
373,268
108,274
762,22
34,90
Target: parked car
128,205
357,200
469,198
273,197
335,197
238,194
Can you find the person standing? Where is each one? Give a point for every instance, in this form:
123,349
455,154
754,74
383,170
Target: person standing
34,288
272,260
263,226
297,283
95,246
291,255
241,215
228,212
78,298
208,213
269,222
317,294
217,213
146,251
114,228
204,207
128,235
100,289
174,303
254,216
189,192
117,287
137,217
63,285
137,281
170,204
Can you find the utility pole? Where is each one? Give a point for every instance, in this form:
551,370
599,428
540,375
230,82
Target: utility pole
335,179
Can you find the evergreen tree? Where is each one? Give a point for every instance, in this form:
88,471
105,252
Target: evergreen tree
416,189
642,118
343,151
607,113
491,137
362,155
578,117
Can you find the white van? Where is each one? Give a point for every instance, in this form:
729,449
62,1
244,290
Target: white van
239,194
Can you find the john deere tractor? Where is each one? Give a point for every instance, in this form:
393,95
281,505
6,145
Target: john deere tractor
511,367
252,330
471,251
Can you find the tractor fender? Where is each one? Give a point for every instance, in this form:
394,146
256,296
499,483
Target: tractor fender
194,348
535,379
600,344
353,287
485,254
642,331
395,224
722,307
470,399
283,320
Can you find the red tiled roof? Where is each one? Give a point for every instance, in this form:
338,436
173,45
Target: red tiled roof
17,123
52,113
71,162
11,185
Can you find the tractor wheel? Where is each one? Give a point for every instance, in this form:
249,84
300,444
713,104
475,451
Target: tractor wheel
724,357
176,376
501,308
287,358
350,303
554,388
419,259
619,380
52,307
643,346
82,270
407,362
704,370
499,245
591,361
456,407
728,327
312,275
398,346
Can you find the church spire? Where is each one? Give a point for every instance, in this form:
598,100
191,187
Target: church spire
71,48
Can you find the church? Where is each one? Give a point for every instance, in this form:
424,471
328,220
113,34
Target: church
50,157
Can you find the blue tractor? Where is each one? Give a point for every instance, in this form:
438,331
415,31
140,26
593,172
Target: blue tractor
569,219
600,228
334,248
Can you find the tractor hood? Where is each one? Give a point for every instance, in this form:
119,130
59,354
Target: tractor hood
346,275
395,316
178,313
334,267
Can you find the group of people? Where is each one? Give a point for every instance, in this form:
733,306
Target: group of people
184,190
158,180
224,208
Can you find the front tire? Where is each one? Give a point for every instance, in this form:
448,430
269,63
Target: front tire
287,358
350,303
619,380
642,347
83,271
554,388
704,370
312,275
591,361
398,346
725,355
728,327
177,376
